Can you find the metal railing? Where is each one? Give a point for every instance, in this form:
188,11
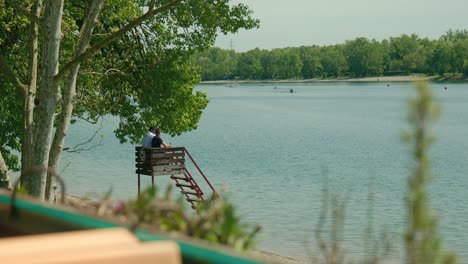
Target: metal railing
201,172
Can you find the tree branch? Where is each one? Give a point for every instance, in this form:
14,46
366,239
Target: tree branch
113,36
107,72
151,5
89,120
79,147
5,68
25,12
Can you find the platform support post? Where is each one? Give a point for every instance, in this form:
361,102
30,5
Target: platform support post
138,185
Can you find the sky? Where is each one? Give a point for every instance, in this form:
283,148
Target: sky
293,23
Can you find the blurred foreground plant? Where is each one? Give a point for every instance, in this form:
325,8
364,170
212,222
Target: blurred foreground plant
214,220
423,244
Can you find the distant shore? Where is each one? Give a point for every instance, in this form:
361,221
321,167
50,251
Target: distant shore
364,79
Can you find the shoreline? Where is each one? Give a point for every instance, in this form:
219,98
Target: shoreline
363,79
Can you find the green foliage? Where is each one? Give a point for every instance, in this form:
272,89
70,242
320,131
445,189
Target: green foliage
333,61
145,77
422,240
361,57
215,63
11,106
442,57
21,190
334,209
10,124
455,35
311,63
249,66
155,75
357,55
214,220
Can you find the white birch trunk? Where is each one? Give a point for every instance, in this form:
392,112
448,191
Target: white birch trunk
4,178
46,102
28,109
69,93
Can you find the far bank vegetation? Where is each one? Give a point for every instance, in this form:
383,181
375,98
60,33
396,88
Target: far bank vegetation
444,58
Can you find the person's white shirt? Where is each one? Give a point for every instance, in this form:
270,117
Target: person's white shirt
148,139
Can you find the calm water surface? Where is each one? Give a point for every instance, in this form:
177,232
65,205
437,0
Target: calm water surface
271,150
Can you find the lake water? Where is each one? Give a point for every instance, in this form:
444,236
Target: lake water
271,150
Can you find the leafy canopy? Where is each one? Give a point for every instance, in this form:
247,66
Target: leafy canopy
145,77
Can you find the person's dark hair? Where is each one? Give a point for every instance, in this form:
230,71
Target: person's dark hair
158,131
152,128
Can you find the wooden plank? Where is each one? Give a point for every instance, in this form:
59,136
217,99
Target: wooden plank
168,167
191,192
167,161
145,253
137,148
160,161
143,172
17,249
187,185
144,167
168,172
167,155
182,178
175,149
162,164
182,149
161,150
160,173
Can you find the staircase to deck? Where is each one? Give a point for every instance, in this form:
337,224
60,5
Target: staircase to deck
172,162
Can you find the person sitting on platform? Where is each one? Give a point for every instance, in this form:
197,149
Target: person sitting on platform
157,142
149,137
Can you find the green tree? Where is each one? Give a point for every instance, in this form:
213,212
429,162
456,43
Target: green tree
364,57
216,63
442,57
417,60
451,52
401,46
290,63
270,64
455,35
333,61
249,66
460,59
376,59
311,64
46,54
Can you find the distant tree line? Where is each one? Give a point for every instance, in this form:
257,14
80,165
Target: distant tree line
361,57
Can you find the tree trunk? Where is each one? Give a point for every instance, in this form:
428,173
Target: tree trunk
4,178
46,103
34,175
28,109
69,93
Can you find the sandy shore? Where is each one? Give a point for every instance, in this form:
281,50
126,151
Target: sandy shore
366,79
390,79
